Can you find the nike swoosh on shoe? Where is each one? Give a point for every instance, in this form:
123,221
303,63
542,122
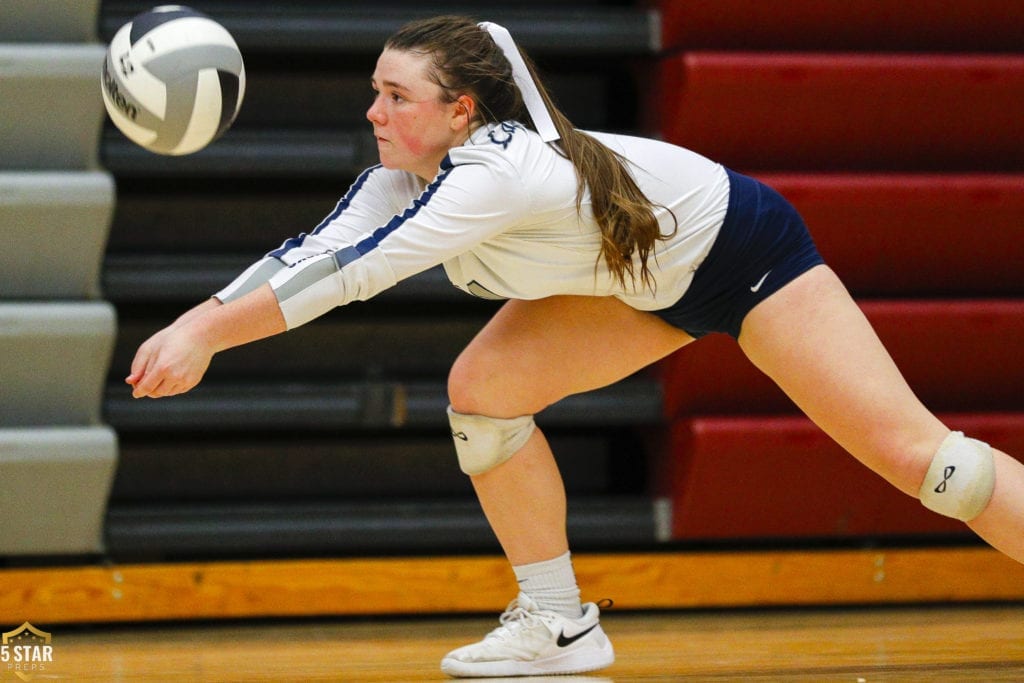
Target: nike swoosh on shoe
566,641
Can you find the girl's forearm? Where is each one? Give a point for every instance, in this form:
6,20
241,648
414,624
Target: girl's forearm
222,326
196,310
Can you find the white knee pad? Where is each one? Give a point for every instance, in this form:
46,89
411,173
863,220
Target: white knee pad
482,443
961,478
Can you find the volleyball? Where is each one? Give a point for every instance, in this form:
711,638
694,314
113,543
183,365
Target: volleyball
173,80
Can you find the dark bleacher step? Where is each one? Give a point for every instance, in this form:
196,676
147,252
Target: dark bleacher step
201,217
189,278
156,468
360,404
554,26
382,526
400,333
335,348
335,94
253,154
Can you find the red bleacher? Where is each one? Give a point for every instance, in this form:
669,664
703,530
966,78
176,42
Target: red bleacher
856,25
842,111
764,477
915,234
958,355
894,127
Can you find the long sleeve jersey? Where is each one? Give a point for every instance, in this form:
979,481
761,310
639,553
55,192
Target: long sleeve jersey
501,217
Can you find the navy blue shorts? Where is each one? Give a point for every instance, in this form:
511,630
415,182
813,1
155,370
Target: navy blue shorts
763,245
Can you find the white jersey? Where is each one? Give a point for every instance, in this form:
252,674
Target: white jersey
501,217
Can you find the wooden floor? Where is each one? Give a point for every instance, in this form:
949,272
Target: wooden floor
956,643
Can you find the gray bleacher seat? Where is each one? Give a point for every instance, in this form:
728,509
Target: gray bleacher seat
57,461
54,224
52,21
51,110
53,489
55,361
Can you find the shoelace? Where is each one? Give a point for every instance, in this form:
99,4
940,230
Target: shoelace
515,617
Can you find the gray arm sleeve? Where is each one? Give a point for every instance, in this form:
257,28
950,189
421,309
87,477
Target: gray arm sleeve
250,279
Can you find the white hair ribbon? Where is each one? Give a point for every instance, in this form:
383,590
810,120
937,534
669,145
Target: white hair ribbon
521,74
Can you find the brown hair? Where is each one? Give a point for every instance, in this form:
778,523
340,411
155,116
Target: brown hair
466,60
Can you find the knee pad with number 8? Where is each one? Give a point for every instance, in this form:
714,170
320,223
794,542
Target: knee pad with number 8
482,443
961,478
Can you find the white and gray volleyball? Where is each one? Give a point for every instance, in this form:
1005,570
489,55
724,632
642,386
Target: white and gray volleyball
173,80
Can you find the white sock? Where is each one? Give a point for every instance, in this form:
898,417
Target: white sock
552,585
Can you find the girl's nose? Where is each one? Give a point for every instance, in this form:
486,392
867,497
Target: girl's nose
375,113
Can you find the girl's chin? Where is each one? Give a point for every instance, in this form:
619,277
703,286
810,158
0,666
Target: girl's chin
386,160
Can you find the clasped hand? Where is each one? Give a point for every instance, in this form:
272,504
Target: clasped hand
170,362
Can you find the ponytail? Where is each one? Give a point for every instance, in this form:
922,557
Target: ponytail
623,212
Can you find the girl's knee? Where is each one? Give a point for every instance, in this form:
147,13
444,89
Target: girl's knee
482,382
467,389
902,458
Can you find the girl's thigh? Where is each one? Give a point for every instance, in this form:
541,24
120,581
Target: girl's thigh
533,353
813,340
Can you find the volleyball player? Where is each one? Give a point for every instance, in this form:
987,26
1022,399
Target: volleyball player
612,252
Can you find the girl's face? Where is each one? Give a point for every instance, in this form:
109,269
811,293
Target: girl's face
414,127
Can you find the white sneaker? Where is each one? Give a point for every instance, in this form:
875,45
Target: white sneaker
534,642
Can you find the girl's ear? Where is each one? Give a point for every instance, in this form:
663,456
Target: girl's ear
465,112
